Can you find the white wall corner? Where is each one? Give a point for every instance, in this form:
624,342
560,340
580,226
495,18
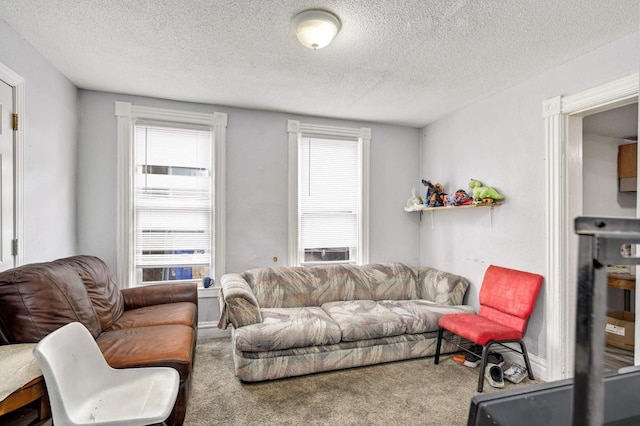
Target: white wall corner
123,109
551,106
293,126
220,119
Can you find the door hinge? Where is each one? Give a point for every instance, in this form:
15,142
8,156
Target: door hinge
14,121
14,247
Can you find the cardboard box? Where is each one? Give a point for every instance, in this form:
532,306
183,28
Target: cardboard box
621,329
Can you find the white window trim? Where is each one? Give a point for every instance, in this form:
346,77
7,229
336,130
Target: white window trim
298,130
127,114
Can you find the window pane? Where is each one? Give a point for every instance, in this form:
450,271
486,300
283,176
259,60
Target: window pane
329,185
173,203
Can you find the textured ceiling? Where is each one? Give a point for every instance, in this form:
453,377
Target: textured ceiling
405,62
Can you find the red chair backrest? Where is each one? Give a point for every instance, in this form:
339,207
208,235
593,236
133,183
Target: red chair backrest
508,296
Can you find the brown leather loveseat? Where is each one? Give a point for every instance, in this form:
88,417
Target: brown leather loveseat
135,327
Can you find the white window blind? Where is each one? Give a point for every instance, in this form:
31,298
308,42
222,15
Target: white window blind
173,202
329,193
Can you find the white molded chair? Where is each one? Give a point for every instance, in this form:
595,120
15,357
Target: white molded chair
84,390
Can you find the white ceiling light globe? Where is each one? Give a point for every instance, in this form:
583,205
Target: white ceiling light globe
316,28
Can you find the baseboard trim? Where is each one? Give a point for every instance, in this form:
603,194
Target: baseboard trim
538,364
209,329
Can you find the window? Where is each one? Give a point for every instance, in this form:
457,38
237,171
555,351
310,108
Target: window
328,217
173,203
170,214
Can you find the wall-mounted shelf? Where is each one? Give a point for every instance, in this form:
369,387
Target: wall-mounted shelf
450,208
468,206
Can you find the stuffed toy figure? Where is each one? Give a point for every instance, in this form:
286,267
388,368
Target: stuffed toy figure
429,190
437,198
461,198
481,192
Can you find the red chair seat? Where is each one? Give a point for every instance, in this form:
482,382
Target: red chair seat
478,329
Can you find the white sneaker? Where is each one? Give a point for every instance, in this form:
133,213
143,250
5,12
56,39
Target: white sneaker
494,375
515,373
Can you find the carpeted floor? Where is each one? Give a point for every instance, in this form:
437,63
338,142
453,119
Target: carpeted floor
414,392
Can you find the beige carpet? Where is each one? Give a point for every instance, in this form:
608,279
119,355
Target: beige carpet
414,392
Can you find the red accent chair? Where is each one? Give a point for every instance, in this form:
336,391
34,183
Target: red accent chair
507,299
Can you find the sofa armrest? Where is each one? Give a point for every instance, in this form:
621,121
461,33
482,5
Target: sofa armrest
441,287
238,304
139,297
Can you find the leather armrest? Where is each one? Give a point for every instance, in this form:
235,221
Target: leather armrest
139,297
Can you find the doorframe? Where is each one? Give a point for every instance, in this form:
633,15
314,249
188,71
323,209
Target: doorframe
18,83
559,115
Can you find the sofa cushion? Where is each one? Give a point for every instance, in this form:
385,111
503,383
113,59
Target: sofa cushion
290,287
364,319
282,287
157,346
441,287
100,284
183,313
286,328
395,281
421,316
341,283
39,298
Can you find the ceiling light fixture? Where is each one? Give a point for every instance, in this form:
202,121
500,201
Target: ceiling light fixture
315,28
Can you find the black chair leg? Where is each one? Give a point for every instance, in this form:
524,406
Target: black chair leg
525,355
440,333
483,366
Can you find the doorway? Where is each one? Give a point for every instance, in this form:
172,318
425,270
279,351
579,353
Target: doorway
13,101
7,185
563,118
609,148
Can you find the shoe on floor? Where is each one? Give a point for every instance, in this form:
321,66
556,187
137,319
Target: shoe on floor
515,373
494,375
472,360
495,358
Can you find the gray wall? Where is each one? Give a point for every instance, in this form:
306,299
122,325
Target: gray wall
50,149
256,182
500,141
600,178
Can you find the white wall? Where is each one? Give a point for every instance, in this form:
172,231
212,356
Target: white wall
50,147
256,182
600,179
500,141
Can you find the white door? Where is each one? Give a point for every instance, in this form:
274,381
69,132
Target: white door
7,229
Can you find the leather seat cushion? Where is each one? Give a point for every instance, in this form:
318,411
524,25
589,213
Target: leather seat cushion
156,346
182,313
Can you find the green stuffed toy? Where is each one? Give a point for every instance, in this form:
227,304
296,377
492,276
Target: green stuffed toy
481,192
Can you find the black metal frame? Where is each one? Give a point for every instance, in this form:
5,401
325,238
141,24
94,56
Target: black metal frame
485,353
599,240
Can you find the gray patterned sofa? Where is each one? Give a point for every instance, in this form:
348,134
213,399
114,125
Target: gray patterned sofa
290,321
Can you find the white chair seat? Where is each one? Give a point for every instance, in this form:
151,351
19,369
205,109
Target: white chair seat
84,390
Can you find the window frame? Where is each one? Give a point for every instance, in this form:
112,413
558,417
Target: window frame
296,131
127,114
